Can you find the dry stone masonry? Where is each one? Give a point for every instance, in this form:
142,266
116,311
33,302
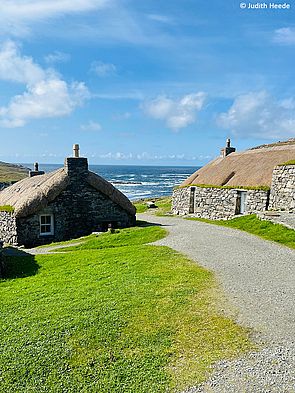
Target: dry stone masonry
217,203
8,230
282,196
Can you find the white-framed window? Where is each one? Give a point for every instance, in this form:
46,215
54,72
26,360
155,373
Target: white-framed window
46,224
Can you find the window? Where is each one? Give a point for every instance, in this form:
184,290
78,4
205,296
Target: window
46,224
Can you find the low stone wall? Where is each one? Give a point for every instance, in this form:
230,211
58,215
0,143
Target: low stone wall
8,231
282,196
216,203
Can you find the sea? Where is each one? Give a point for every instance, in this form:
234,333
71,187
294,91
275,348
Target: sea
137,182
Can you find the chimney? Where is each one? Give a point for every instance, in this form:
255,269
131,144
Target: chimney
227,150
76,166
36,171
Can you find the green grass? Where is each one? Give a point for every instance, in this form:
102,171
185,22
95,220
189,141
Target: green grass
120,238
163,204
7,208
265,229
291,162
134,318
11,172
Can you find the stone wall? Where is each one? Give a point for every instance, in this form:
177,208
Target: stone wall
8,232
216,203
78,211
181,201
257,201
282,196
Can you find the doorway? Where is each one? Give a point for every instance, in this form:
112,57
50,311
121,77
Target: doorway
241,202
192,200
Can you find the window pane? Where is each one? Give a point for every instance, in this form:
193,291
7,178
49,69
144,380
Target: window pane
46,224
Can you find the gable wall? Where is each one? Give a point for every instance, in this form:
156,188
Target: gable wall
282,196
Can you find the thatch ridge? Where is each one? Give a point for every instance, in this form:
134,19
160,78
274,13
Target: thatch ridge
34,193
251,168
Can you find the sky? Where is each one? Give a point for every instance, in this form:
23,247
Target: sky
143,82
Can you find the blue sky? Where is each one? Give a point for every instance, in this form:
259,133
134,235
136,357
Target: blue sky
143,82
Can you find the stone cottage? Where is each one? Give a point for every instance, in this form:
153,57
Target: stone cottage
67,203
253,181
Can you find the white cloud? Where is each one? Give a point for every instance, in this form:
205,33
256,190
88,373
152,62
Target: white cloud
14,67
91,126
46,94
103,69
176,113
258,114
45,99
145,156
285,35
57,57
16,15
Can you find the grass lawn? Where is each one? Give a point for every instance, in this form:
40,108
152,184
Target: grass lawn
265,229
114,315
164,206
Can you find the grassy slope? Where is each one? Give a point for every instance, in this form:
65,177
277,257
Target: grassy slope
10,172
265,229
134,318
164,206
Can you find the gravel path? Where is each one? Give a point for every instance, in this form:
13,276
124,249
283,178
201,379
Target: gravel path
258,278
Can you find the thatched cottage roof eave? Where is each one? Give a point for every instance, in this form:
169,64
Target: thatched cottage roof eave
32,194
251,168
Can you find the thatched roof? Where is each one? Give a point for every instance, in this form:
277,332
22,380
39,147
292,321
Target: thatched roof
32,194
251,168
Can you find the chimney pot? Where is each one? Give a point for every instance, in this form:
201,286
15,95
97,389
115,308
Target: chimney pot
227,150
76,151
36,171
